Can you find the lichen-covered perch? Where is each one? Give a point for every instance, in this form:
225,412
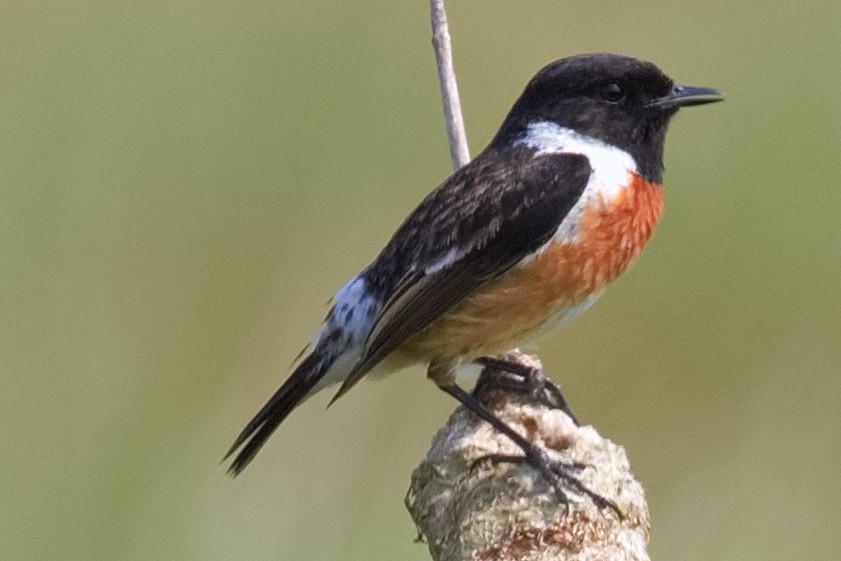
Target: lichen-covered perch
468,508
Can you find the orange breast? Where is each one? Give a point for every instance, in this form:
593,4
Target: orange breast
508,310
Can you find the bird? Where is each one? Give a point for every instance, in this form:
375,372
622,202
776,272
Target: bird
522,239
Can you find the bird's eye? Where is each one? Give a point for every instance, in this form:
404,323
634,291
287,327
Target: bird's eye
612,93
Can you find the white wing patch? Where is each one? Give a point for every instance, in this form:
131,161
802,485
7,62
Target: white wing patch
451,257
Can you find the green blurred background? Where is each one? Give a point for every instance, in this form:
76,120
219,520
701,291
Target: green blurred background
183,185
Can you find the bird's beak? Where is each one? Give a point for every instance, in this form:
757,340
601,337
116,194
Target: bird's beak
684,96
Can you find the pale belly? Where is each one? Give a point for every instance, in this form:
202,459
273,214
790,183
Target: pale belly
566,315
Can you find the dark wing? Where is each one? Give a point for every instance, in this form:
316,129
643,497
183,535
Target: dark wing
480,223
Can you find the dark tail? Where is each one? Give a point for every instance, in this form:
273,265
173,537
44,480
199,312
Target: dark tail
264,423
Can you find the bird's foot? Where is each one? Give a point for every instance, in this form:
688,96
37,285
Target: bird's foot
563,476
518,377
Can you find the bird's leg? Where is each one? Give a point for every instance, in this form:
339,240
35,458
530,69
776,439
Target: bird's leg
561,475
518,377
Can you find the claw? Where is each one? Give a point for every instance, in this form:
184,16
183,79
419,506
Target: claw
557,473
561,475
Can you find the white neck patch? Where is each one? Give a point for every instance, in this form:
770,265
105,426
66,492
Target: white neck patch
609,163
611,166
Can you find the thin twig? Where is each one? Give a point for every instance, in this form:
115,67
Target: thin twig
459,150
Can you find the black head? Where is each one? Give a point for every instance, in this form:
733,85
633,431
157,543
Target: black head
619,100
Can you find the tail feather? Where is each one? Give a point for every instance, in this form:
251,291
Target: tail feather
337,348
293,391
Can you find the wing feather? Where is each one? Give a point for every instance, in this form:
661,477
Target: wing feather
499,219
